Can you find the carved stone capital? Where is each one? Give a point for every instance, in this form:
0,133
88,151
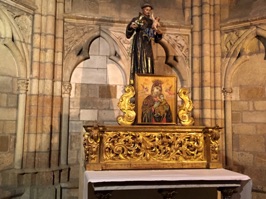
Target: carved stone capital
227,92
23,85
66,88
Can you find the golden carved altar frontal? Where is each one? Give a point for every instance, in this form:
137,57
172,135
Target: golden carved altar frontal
151,147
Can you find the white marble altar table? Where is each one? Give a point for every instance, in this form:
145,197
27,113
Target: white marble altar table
222,179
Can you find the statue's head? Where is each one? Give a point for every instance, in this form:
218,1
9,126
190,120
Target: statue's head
144,5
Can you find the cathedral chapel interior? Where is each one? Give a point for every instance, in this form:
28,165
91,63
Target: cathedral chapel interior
64,65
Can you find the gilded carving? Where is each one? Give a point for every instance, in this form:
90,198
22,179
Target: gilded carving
91,143
127,107
214,137
185,108
131,147
152,146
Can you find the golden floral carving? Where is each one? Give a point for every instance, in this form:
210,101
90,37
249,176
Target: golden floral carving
91,143
127,107
185,108
214,145
149,146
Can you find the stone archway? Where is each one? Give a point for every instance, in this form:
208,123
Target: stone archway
237,53
77,54
14,43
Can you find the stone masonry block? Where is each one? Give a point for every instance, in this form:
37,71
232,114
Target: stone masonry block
107,91
95,62
114,75
108,115
243,158
94,103
88,115
236,117
260,105
2,126
88,90
42,161
254,116
104,47
257,175
261,129
75,126
251,93
29,160
260,160
3,99
8,113
4,143
54,158
74,114
114,104
89,76
43,192
244,129
75,141
6,84
95,47
8,160
12,100
239,105
43,142
73,157
251,143
10,127
235,142
64,174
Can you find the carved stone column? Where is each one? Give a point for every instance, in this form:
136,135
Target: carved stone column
22,89
228,126
196,58
66,89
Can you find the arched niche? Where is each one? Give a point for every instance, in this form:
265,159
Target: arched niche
237,54
15,64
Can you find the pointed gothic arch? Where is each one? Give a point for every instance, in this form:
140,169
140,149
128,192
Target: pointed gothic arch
235,57
12,39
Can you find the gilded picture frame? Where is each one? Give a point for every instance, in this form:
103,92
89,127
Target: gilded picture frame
156,99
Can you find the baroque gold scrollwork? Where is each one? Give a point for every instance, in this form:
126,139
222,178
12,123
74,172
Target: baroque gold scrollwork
214,136
91,144
149,146
127,107
185,108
